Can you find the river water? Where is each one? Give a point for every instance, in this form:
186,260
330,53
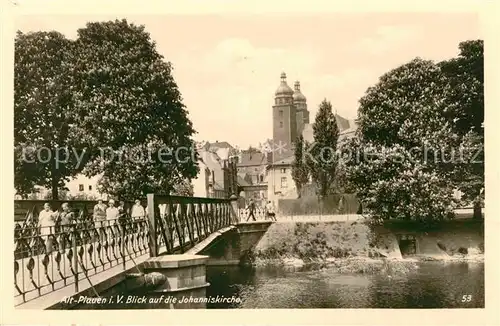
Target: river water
432,285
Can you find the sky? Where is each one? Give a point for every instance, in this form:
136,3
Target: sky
227,67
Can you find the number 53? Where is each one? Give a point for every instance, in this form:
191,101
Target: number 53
466,298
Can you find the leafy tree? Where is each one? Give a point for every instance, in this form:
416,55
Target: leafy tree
42,104
341,182
400,121
465,91
321,156
300,172
393,183
413,144
128,107
184,188
465,111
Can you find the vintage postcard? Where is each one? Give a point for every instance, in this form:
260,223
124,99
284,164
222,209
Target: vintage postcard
327,159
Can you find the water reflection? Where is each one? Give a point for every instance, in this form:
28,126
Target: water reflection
432,285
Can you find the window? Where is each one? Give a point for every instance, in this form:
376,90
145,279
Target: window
283,170
284,183
261,178
90,188
80,187
256,169
281,124
280,113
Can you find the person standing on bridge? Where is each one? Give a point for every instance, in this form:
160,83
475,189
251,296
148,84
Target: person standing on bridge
66,219
122,214
47,223
100,217
270,211
138,212
251,209
112,213
99,213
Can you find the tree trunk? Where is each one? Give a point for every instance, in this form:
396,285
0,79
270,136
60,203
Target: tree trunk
321,201
55,190
360,209
54,182
477,210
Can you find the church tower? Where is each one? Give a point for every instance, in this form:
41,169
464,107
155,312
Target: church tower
284,119
300,103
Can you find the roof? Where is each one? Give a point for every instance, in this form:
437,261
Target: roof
218,146
283,161
297,95
222,144
283,89
347,128
242,181
217,186
213,162
251,158
342,123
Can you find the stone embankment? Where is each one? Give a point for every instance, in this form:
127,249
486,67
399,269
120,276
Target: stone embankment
353,246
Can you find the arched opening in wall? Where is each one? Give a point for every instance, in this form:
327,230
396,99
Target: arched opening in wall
407,244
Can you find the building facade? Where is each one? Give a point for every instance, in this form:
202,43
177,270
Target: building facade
78,187
217,177
252,180
280,181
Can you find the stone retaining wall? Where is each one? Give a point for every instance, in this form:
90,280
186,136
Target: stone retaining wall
321,240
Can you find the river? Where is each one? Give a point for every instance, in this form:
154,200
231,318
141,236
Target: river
432,285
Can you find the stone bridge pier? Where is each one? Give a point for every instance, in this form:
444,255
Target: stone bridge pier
231,245
185,275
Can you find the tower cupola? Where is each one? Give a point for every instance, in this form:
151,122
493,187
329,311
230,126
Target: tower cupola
283,90
297,95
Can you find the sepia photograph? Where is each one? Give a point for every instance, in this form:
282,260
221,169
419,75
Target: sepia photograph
252,161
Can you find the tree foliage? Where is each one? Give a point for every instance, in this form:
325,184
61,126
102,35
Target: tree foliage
184,188
321,157
300,172
418,137
43,89
130,104
465,100
110,95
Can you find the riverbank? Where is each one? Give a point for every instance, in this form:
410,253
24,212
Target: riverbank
355,247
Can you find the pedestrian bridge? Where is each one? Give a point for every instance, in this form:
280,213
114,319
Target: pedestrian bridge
84,257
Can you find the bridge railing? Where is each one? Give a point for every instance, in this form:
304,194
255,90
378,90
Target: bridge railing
49,258
259,213
177,224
